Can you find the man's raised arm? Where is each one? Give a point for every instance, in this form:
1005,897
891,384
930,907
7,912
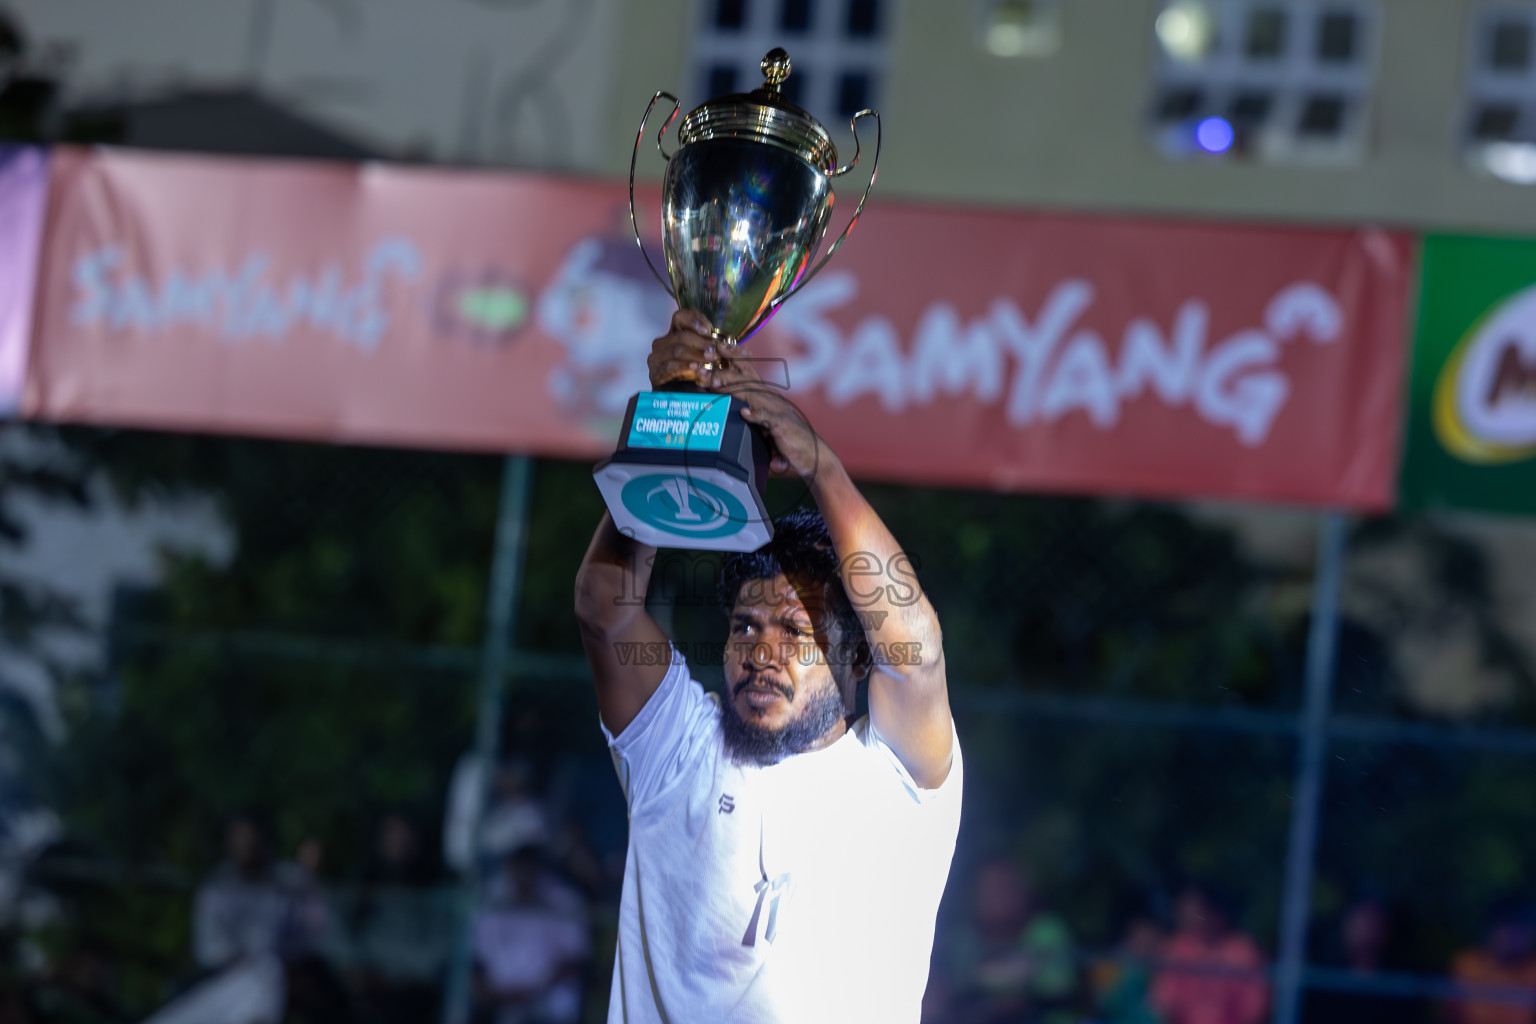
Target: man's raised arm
908,692
628,652
622,641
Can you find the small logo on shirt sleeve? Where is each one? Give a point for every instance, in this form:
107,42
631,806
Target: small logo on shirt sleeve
727,803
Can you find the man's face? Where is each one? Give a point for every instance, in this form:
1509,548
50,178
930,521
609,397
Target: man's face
781,694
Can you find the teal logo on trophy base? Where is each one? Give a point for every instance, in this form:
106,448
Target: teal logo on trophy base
683,504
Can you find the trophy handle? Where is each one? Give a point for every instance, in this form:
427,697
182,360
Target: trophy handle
854,124
633,220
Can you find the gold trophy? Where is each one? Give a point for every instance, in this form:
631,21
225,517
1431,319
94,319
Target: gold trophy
746,201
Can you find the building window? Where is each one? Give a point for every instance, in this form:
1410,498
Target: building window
795,16
1499,109
1509,45
1323,115
1289,81
1496,122
863,19
837,47
1336,32
1266,34
852,93
1019,28
721,80
1180,104
729,14
794,87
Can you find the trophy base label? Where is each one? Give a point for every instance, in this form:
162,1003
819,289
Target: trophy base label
671,420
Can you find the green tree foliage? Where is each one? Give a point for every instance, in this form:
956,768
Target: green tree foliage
322,677
31,613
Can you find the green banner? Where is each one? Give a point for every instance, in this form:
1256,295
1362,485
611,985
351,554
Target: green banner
1472,420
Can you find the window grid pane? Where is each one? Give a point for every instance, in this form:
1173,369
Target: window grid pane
863,21
720,81
1250,109
1266,33
1336,37
1510,48
1293,79
1496,121
795,16
795,87
838,48
853,89
1179,104
730,15
1322,115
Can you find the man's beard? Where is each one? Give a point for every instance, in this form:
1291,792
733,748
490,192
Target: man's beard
750,743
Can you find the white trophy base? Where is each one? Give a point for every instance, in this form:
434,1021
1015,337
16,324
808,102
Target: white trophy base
704,508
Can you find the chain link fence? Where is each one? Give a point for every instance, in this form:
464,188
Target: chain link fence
1129,683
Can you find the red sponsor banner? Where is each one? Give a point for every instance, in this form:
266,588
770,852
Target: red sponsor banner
947,346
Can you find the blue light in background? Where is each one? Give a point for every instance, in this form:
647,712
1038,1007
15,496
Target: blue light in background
1214,135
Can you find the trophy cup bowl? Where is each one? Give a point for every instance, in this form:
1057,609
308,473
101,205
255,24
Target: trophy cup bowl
740,222
746,201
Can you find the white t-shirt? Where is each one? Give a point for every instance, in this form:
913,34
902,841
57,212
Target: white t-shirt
801,892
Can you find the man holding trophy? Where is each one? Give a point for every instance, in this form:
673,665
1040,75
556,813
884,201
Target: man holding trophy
786,860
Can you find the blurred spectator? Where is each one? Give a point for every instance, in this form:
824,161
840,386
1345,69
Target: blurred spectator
1505,958
309,922
308,938
1208,972
592,823
513,814
531,943
1011,962
1366,939
402,929
517,816
399,858
240,909
238,918
1124,985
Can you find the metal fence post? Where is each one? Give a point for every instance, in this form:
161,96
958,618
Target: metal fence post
1301,847
500,621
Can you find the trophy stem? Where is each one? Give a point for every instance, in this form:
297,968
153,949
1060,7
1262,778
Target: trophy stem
728,347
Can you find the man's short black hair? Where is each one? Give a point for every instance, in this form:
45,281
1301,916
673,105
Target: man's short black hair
801,549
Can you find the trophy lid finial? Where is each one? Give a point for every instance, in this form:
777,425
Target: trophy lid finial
775,67
763,115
